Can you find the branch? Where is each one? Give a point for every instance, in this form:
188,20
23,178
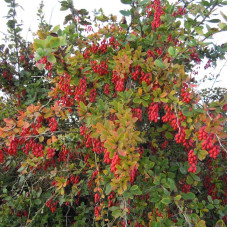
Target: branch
218,74
185,216
217,135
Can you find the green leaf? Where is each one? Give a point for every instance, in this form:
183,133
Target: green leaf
117,213
124,26
8,198
135,190
222,26
214,21
210,206
172,51
137,100
223,15
56,28
186,111
201,223
51,58
166,201
54,42
125,12
40,52
86,69
145,103
199,30
183,170
220,223
202,155
159,63
199,110
108,189
126,1
143,2
168,135
131,37
189,196
189,180
39,44
177,198
63,8
21,169
37,201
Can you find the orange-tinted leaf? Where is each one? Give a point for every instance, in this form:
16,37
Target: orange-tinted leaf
53,138
9,122
49,141
32,108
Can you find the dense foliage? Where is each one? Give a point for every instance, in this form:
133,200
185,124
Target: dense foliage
102,125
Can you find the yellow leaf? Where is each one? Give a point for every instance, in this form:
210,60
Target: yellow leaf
41,138
28,221
201,223
140,92
53,138
49,142
48,114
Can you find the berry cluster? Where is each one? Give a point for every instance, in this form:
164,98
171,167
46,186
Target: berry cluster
50,152
80,89
99,48
48,65
115,161
192,160
186,188
52,205
37,149
92,95
39,122
153,112
12,149
103,47
1,156
145,77
97,211
185,94
97,146
94,48
64,83
53,124
180,11
164,144
132,174
7,76
110,199
101,69
107,89
118,81
208,142
194,56
74,179
157,14
157,213
86,54
97,198
170,118
107,160
137,112
136,73
208,64
180,136
150,54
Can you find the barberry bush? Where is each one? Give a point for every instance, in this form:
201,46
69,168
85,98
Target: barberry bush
102,123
